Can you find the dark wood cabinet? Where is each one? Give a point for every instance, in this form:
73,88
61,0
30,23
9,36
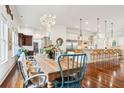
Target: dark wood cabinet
24,40
28,40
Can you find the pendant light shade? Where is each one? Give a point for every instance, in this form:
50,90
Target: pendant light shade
80,27
106,39
97,28
80,34
112,35
105,28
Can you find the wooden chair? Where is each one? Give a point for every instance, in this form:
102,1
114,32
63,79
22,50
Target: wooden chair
111,57
94,55
99,54
73,78
119,55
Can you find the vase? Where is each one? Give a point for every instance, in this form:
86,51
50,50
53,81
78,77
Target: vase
51,55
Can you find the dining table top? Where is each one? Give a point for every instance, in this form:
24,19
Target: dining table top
50,66
47,65
51,69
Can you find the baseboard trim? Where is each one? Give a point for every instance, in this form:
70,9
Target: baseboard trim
8,72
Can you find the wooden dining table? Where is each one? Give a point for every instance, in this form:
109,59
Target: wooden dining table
51,68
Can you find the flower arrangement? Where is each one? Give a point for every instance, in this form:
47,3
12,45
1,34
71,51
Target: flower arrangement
50,50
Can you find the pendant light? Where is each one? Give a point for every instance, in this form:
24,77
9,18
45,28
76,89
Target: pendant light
98,26
112,36
80,35
106,40
112,29
105,28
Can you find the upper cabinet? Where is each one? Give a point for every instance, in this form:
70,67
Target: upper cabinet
27,40
24,40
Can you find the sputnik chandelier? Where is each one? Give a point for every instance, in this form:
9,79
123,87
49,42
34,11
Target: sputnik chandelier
48,19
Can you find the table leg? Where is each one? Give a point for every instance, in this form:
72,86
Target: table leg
50,85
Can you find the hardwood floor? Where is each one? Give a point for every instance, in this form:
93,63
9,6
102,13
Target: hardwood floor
98,75
13,80
105,75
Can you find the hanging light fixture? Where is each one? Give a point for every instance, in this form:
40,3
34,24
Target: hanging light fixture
48,19
105,28
80,35
98,26
112,29
112,36
106,39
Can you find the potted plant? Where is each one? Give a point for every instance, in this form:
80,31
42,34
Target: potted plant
26,51
50,51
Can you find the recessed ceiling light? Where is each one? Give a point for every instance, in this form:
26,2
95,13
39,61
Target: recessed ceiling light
86,22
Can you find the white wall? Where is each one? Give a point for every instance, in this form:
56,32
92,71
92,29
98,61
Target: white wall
7,66
59,32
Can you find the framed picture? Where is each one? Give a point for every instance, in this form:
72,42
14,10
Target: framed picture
9,39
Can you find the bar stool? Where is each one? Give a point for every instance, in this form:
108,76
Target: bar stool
114,56
93,55
106,51
112,52
93,58
96,55
118,55
99,52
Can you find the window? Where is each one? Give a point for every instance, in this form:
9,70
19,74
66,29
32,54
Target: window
14,43
3,40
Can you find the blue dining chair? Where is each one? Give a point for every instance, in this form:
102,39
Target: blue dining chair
19,52
76,67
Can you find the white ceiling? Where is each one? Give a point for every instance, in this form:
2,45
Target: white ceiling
69,15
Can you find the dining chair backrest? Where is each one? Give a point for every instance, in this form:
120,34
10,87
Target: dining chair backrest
23,60
34,79
19,52
75,68
71,52
20,65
